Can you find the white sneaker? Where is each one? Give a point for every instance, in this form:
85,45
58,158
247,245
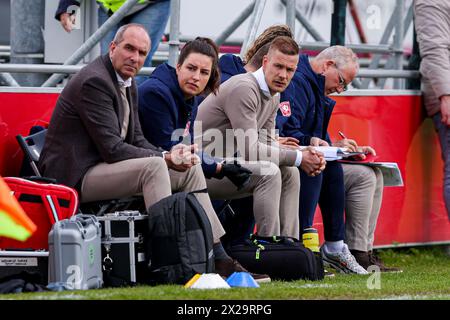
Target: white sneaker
342,261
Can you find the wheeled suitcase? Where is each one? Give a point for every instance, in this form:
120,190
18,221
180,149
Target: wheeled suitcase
280,258
123,248
44,204
15,262
75,253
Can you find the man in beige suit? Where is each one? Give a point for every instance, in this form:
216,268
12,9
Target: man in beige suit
240,121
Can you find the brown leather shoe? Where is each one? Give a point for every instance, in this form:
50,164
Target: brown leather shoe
362,257
374,259
226,267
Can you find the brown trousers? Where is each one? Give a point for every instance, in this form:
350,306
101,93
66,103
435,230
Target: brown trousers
363,196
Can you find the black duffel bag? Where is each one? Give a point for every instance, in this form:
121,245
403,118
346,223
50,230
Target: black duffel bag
281,258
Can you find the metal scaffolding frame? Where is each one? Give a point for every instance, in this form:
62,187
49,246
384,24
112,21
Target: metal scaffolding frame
71,69
398,24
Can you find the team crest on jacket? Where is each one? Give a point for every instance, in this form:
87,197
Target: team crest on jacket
186,129
285,108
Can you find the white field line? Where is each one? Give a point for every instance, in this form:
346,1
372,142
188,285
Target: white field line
417,297
311,286
68,296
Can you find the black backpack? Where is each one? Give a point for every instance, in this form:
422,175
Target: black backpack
281,258
180,240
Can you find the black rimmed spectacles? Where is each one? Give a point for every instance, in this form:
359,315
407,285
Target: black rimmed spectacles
342,83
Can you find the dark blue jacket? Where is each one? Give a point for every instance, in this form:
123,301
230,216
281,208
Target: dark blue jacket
311,109
163,109
231,65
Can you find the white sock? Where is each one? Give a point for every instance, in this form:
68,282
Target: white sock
334,246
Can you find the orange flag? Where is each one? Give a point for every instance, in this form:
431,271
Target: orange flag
14,222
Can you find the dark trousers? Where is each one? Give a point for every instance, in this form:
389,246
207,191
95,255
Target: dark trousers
327,190
237,219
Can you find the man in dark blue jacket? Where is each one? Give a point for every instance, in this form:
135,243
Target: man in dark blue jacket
360,191
311,108
307,121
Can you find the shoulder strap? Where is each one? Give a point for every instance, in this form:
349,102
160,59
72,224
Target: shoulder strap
206,228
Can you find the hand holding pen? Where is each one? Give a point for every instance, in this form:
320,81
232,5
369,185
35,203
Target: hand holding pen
353,146
350,144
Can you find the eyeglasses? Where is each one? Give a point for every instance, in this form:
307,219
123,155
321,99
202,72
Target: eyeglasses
342,83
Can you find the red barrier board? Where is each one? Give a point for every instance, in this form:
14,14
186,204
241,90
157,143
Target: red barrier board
396,126
19,111
392,122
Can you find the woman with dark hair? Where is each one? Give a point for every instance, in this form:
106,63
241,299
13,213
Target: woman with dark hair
168,104
168,100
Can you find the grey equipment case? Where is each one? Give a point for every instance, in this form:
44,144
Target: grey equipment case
75,252
123,248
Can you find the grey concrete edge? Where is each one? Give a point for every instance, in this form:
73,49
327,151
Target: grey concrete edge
378,92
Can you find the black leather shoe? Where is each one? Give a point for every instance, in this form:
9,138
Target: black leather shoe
374,259
362,257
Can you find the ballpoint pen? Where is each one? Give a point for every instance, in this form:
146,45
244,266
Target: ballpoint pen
342,135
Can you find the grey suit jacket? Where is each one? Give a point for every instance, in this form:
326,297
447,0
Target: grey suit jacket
85,126
432,23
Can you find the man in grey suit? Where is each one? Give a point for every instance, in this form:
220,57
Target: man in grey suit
432,23
95,143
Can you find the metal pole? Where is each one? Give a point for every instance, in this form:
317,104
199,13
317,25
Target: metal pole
359,48
253,26
52,68
313,32
93,40
27,41
291,5
338,23
92,15
384,40
235,24
414,64
8,79
391,73
174,42
398,41
376,58
357,21
391,63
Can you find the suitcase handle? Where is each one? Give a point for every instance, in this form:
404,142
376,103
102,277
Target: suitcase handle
41,179
273,239
83,219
